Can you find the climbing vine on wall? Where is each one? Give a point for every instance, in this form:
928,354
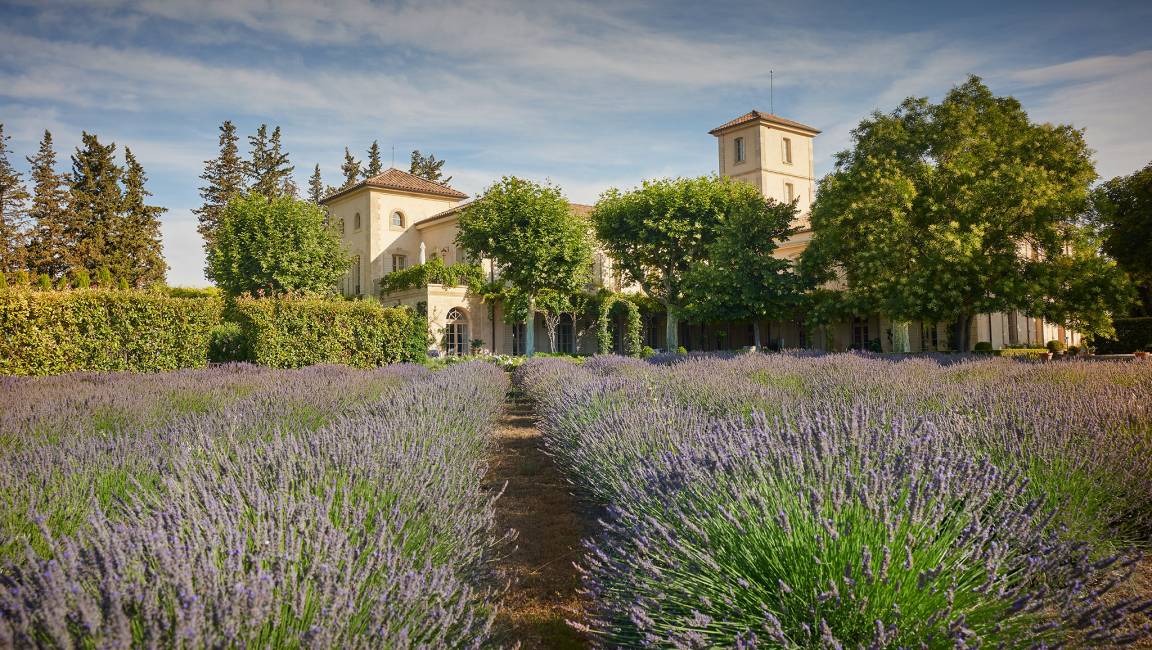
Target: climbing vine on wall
632,343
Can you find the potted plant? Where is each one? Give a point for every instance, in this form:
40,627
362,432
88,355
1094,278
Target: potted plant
1054,347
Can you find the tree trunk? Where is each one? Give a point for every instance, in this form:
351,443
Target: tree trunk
672,331
900,341
964,333
530,330
756,335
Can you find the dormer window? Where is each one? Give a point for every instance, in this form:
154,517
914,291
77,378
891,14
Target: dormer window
397,219
787,151
739,143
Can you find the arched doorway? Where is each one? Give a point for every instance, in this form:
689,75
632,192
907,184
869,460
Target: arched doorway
456,332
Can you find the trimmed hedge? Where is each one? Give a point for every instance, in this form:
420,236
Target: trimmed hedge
293,332
1027,353
1132,334
51,332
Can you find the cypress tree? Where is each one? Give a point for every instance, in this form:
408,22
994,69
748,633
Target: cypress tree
138,253
95,201
316,186
351,169
268,170
223,177
49,247
13,206
428,167
374,167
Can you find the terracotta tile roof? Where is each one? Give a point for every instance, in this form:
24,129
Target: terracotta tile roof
764,117
395,179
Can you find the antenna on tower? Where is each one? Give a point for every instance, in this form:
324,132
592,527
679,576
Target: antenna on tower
772,92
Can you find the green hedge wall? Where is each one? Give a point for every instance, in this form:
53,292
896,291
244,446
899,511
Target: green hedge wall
1132,334
294,332
50,332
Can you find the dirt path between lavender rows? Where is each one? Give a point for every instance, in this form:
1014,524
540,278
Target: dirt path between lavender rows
538,503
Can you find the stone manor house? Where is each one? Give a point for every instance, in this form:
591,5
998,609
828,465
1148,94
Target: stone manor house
394,220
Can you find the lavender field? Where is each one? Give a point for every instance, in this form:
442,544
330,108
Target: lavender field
245,507
844,501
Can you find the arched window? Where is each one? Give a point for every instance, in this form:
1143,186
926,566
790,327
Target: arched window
398,219
456,332
356,222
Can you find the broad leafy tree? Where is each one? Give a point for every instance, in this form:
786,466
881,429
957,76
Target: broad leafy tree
943,211
375,166
49,246
13,208
661,230
223,180
1123,213
267,169
351,170
530,232
275,246
741,278
428,167
136,253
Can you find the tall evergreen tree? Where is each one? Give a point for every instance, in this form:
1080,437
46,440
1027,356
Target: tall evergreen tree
375,166
316,186
428,167
223,177
268,170
351,169
49,246
94,201
136,252
13,206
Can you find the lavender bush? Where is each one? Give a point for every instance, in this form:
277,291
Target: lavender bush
846,501
238,506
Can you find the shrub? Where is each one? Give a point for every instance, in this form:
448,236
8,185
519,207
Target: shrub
1073,350
681,350
48,332
1025,353
983,346
646,352
226,343
1055,346
192,292
291,332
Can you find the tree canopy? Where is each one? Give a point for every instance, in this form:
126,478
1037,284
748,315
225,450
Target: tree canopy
427,167
741,277
223,179
943,211
267,168
13,207
530,232
661,230
274,246
1123,213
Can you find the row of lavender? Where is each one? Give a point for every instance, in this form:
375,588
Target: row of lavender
846,501
240,506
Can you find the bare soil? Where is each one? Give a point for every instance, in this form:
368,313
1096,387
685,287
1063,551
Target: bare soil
537,503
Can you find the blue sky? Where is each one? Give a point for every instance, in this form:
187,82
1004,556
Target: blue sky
590,95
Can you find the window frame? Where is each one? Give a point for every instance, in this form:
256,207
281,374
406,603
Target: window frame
456,332
393,219
741,153
786,150
357,222
403,259
789,192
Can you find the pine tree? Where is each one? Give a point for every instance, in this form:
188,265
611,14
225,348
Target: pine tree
49,246
13,206
94,201
268,169
136,251
316,186
351,169
428,167
224,179
375,167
